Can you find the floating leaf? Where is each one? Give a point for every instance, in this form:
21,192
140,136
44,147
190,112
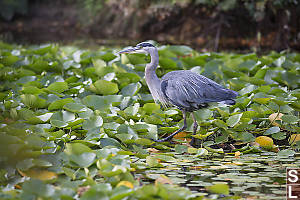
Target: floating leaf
80,154
109,142
153,120
265,142
61,118
203,114
132,110
58,123
107,56
262,100
171,112
144,141
75,107
167,63
152,161
131,89
33,101
86,114
247,137
31,90
181,136
98,191
279,136
37,188
290,119
192,150
104,87
272,130
275,116
57,134
234,119
151,107
126,184
181,148
135,59
75,122
181,49
286,153
165,158
201,152
58,104
93,122
39,174
9,60
294,138
163,180
58,87
219,189
203,136
101,102
40,119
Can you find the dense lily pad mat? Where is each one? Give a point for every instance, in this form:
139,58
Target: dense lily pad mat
78,124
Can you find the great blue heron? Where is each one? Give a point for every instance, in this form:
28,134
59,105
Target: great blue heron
186,90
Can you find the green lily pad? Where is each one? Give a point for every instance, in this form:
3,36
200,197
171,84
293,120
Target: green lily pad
234,119
104,87
272,130
60,119
37,188
131,89
219,189
58,87
75,107
58,104
40,118
94,122
80,154
152,161
101,102
291,119
286,153
151,107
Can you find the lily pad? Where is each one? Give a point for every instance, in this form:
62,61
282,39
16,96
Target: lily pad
58,87
80,154
234,119
75,107
104,87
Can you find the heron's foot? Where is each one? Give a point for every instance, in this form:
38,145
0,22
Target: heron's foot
166,139
195,142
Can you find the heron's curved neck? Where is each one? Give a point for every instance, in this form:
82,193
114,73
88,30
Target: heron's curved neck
151,67
152,80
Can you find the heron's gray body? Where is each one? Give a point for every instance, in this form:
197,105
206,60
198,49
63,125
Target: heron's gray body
184,89
190,91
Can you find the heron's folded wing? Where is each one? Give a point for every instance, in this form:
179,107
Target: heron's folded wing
187,89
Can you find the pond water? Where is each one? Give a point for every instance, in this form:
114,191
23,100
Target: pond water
254,176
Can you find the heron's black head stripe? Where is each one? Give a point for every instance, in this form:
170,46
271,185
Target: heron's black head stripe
144,44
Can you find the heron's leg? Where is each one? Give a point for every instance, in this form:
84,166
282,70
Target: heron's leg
176,132
195,126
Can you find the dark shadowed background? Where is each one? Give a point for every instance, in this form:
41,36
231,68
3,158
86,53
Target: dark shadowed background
241,25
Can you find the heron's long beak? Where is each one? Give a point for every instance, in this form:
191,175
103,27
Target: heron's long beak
129,50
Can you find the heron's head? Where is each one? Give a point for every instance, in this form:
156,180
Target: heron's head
143,47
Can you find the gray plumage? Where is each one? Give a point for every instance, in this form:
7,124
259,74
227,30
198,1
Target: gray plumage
184,89
190,91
